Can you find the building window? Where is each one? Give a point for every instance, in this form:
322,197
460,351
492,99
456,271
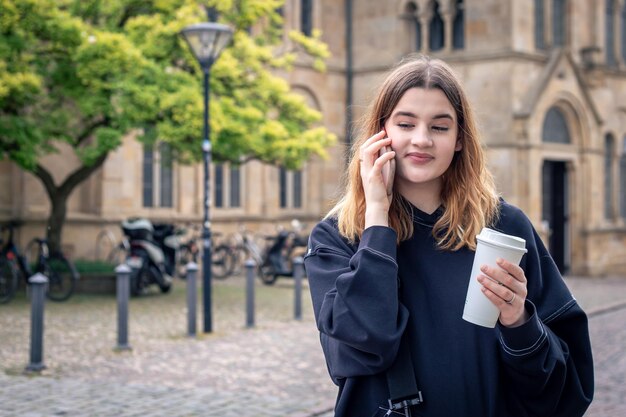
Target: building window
435,29
297,189
458,26
227,183
306,17
414,26
622,180
623,34
555,127
551,23
235,186
540,41
290,188
166,176
609,144
559,22
282,182
609,34
218,175
158,176
148,176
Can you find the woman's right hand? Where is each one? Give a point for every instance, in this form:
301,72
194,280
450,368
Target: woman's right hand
377,189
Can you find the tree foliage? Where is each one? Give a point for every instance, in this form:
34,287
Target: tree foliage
87,73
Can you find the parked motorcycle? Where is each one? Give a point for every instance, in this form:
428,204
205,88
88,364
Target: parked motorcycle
278,260
152,255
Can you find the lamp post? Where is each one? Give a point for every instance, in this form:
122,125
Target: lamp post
207,40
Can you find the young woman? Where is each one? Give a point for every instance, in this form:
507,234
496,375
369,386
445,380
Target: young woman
392,261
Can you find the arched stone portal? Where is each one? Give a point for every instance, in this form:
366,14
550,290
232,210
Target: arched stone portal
555,190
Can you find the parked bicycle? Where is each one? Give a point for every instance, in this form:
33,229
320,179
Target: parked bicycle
61,273
119,252
244,246
274,259
189,251
105,244
109,250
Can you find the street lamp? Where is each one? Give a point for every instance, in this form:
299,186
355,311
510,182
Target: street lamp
207,40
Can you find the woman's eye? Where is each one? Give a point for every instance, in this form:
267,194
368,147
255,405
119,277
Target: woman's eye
405,125
440,128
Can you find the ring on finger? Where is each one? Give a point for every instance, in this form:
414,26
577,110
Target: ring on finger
509,302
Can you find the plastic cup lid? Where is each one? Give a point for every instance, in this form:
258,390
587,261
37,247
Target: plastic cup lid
499,238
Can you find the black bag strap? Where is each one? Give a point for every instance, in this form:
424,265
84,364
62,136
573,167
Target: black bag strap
403,391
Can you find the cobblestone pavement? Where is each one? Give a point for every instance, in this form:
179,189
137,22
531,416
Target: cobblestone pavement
275,369
604,300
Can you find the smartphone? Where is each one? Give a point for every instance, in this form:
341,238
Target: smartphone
387,166
388,169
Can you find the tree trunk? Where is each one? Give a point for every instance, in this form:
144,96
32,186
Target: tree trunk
56,220
58,198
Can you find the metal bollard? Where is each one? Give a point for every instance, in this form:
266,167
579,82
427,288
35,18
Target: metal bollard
123,292
192,298
250,266
298,274
38,284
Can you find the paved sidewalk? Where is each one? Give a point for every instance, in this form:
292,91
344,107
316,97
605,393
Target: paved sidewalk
604,300
276,369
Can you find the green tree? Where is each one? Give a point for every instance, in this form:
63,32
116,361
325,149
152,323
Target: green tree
84,74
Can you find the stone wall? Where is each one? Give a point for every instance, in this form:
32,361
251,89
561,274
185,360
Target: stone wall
511,83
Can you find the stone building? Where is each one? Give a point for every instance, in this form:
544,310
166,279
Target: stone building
547,79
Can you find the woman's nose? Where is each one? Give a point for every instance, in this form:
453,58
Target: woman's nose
421,137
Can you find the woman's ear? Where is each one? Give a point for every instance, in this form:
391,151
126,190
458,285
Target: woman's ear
459,144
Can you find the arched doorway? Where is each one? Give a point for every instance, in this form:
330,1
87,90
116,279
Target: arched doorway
556,211
555,191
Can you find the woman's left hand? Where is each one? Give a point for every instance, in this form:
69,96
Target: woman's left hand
505,286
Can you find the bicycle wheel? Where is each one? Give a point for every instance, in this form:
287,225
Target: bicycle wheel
31,253
185,255
105,244
117,255
238,254
266,274
62,277
8,280
222,262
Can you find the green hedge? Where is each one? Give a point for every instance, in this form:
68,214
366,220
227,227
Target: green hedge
84,266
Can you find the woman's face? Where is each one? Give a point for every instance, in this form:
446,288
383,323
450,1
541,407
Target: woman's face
423,131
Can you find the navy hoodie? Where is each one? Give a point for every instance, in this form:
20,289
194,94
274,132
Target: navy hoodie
367,295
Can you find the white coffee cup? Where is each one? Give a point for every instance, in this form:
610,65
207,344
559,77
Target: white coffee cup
490,246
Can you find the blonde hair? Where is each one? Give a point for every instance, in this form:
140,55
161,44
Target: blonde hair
468,193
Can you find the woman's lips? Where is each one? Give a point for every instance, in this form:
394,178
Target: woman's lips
420,158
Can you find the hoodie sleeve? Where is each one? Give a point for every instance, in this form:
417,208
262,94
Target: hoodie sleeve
548,360
355,299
